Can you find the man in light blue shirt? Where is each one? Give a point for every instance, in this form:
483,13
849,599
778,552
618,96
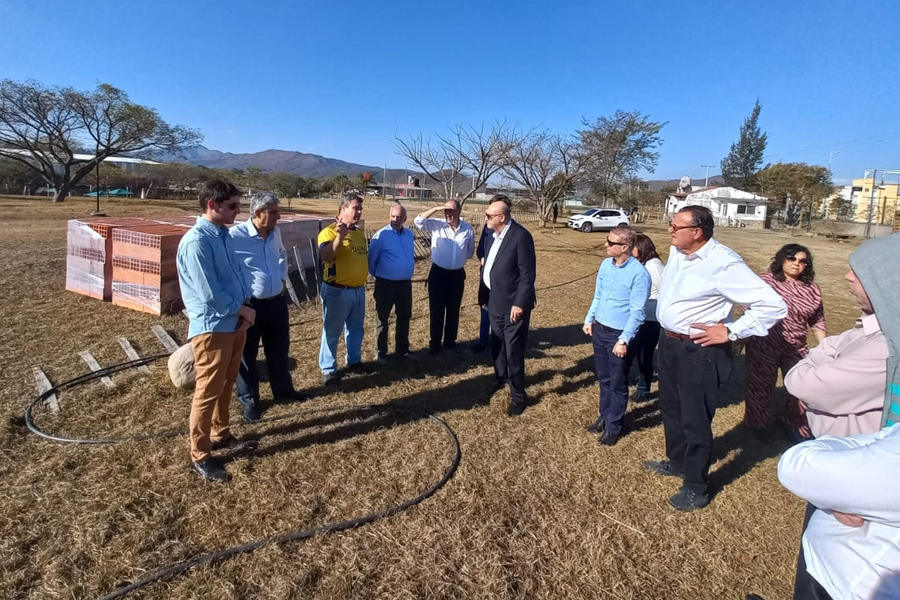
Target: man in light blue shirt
622,289
391,262
215,291
257,243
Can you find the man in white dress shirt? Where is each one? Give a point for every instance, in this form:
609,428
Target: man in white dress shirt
452,243
852,541
701,283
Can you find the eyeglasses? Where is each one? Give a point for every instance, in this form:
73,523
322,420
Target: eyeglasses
489,216
609,242
675,228
801,261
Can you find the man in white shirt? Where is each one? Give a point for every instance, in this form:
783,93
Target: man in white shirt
701,283
852,541
452,243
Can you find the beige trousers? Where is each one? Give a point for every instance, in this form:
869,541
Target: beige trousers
217,358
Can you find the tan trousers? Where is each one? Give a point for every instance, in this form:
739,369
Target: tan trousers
217,358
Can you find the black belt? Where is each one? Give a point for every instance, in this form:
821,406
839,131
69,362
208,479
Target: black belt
343,287
607,327
255,300
448,270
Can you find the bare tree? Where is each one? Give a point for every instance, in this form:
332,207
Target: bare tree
44,128
463,153
547,165
617,148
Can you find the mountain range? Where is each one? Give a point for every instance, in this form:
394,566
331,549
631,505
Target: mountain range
314,166
286,161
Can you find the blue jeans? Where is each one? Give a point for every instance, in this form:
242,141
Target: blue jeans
343,310
612,373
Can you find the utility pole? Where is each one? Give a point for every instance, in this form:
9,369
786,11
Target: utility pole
708,167
830,156
871,206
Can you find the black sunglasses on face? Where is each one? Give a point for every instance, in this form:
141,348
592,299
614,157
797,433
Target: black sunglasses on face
802,261
609,242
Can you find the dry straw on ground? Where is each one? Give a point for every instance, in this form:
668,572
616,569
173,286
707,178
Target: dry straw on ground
536,510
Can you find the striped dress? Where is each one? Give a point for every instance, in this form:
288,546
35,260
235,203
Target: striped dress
781,349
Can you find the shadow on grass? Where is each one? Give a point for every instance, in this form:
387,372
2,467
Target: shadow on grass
350,422
750,451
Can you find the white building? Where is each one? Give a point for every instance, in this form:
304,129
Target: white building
730,206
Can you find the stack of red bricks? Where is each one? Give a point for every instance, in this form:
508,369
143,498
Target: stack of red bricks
131,261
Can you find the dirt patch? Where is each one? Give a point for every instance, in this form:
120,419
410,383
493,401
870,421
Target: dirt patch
536,510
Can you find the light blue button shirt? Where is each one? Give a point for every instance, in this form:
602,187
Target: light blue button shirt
265,260
213,285
391,254
620,295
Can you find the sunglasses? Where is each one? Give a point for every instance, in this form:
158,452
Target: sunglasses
489,216
676,228
801,261
609,242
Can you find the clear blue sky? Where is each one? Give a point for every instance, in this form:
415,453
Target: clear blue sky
342,79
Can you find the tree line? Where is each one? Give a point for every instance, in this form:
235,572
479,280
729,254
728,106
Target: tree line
44,129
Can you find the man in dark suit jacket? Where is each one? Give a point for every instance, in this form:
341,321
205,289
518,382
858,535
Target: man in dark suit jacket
509,270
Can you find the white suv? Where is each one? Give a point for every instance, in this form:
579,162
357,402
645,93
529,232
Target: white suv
598,218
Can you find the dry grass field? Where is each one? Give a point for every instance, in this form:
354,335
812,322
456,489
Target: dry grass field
536,509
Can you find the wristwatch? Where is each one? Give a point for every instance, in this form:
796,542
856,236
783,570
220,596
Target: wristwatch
732,336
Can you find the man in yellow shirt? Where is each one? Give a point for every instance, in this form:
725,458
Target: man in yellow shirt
345,266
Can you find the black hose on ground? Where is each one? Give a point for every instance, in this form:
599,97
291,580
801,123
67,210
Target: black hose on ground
225,553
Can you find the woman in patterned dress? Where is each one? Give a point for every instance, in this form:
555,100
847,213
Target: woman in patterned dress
791,274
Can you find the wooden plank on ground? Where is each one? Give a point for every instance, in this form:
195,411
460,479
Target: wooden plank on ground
164,338
95,366
43,384
315,253
301,271
132,354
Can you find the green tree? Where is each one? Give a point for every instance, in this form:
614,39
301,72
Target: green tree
795,188
44,128
742,163
616,149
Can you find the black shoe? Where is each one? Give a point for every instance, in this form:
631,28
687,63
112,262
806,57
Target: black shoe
381,359
330,379
450,345
597,426
360,367
291,396
479,348
687,500
235,443
515,409
663,467
210,469
754,597
608,439
251,411
434,350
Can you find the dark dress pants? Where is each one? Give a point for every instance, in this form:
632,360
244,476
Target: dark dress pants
397,295
612,374
270,326
445,292
690,378
508,351
641,348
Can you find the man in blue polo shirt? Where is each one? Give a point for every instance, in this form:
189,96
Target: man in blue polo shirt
215,293
258,245
391,262
622,289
